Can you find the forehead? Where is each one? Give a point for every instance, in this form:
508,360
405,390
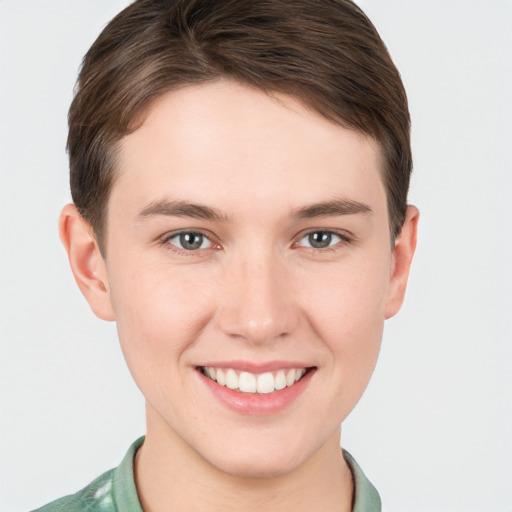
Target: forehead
222,140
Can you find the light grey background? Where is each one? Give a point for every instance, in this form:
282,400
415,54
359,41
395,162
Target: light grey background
433,431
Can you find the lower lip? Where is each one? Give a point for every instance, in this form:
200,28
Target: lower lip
253,403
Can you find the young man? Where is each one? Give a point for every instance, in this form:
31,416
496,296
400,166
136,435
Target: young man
239,171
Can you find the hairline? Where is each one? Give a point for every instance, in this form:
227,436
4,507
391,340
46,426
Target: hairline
143,111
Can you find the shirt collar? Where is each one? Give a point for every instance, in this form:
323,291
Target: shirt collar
366,497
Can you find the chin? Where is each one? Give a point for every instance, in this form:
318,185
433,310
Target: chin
256,458
259,465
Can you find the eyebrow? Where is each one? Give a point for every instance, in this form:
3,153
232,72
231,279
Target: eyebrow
203,212
182,209
332,208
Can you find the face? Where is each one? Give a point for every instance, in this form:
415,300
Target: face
249,272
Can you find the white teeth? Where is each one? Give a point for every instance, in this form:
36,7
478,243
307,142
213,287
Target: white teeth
280,380
265,383
231,379
220,377
247,382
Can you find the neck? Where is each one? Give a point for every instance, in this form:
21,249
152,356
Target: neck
171,475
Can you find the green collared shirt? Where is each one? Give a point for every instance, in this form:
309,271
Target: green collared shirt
115,491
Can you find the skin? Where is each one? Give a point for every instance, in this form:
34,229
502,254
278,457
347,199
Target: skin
255,291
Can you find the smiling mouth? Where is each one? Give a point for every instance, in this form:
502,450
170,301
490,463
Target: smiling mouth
246,382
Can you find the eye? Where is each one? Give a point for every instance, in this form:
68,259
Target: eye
189,241
320,239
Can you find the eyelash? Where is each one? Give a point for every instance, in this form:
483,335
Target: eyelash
166,241
343,237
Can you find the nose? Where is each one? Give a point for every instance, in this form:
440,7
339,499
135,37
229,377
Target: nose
258,303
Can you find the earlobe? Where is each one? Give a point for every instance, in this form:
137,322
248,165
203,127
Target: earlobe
86,261
401,261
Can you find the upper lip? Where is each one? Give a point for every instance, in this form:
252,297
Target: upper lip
257,367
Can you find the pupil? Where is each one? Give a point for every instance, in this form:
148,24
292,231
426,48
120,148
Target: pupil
191,241
320,240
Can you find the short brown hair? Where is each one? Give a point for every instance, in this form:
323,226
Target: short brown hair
326,52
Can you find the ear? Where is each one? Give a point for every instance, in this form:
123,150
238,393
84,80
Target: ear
403,252
86,261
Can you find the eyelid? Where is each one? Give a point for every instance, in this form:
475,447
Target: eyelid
344,236
165,240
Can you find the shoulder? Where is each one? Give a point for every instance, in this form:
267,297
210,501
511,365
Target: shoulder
366,497
97,496
112,491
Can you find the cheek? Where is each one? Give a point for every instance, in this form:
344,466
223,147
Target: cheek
355,289
346,307
159,313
